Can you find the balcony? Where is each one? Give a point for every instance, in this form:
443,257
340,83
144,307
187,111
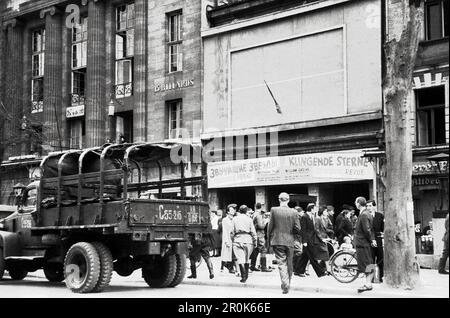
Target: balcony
123,90
77,99
433,52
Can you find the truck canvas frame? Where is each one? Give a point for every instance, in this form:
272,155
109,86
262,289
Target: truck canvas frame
118,207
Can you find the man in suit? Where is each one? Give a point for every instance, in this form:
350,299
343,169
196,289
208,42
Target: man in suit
364,242
378,229
283,225
313,247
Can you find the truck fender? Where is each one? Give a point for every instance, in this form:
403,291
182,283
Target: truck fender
10,242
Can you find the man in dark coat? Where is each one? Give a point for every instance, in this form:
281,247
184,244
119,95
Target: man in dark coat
313,247
364,241
283,226
378,230
345,226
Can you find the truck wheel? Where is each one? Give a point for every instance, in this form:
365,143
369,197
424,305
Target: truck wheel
124,266
54,272
160,273
180,271
2,264
106,266
82,267
17,273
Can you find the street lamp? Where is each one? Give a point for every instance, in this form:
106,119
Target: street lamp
440,164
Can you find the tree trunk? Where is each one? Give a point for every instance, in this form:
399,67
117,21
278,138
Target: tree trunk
401,267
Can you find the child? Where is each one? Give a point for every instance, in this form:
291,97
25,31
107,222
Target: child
347,244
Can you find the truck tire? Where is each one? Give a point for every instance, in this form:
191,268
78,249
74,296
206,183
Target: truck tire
124,266
161,273
17,273
54,272
106,266
2,264
82,268
180,271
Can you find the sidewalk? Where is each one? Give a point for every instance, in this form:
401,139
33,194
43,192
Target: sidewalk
432,284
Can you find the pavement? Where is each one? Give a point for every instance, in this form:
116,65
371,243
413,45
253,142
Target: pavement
431,283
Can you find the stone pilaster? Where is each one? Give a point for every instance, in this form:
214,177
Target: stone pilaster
110,62
13,85
2,74
140,116
26,91
95,111
52,79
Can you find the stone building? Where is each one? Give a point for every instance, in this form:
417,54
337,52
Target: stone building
78,74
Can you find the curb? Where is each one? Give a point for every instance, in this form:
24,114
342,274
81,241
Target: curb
312,289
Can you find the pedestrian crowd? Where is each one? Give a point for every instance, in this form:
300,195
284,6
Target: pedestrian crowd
297,238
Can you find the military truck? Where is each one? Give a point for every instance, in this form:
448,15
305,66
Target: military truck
119,207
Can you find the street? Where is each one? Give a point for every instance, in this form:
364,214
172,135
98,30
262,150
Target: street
225,286
35,285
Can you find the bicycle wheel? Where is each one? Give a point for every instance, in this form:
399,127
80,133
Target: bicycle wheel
344,267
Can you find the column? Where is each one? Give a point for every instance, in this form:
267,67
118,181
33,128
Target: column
140,116
110,124
2,73
52,79
13,85
26,91
95,111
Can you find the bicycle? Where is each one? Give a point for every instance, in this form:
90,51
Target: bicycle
344,266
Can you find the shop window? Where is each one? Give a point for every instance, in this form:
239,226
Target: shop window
430,116
436,19
125,18
175,110
175,55
37,71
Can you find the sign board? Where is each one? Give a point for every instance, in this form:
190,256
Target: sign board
75,111
295,169
169,86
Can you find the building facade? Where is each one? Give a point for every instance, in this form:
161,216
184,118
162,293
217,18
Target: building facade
295,89
79,74
286,87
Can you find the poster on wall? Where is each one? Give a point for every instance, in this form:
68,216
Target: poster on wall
295,169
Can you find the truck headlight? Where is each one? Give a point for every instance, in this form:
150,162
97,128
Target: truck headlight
1,226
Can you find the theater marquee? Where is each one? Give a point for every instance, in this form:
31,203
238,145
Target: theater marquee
296,169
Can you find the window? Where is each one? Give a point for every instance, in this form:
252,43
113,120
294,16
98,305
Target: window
79,62
37,70
436,19
175,110
430,116
79,44
124,50
77,134
175,55
124,126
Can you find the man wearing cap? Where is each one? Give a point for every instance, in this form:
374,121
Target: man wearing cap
244,240
260,223
283,226
227,241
